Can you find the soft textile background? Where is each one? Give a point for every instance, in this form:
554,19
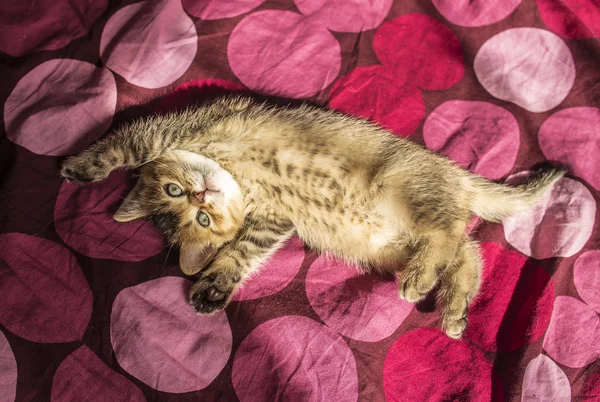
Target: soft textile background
95,310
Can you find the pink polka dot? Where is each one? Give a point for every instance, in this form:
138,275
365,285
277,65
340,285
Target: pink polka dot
591,389
514,290
479,136
276,274
362,307
283,53
577,19
82,374
197,92
400,44
8,371
60,107
158,338
29,25
475,13
84,220
586,275
545,381
166,51
559,226
344,15
371,92
217,9
572,137
426,365
573,337
294,358
45,297
530,67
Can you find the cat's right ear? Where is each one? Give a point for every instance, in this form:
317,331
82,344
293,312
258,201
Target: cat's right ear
132,207
193,258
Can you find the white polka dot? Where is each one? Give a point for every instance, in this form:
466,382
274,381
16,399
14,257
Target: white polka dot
150,44
586,276
530,67
545,381
8,371
60,107
357,305
158,338
479,136
573,336
283,53
558,226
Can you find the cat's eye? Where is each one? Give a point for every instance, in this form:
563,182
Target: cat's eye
174,190
203,219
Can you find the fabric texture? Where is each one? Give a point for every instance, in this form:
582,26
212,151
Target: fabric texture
95,310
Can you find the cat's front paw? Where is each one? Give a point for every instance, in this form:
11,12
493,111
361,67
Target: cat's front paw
84,169
213,291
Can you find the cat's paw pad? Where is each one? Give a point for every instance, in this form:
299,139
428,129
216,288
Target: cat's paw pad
212,292
82,170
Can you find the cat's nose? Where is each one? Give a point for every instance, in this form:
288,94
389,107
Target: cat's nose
200,195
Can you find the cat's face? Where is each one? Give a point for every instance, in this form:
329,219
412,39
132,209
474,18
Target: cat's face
197,205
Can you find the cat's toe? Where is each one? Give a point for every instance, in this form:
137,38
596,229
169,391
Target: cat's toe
82,171
455,328
410,290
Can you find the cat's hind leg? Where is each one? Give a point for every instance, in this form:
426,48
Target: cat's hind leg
459,285
430,254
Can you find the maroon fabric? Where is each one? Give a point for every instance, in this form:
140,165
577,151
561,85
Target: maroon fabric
95,310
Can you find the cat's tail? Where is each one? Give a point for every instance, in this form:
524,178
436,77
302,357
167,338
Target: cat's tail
494,202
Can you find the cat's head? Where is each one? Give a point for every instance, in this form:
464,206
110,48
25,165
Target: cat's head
190,198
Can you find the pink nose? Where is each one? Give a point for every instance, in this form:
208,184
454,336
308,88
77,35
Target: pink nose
200,195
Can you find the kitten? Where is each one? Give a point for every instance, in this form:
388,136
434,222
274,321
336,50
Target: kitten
349,189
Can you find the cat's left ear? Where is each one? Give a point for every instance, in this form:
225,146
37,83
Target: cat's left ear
132,207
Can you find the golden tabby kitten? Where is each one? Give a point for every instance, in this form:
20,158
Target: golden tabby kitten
347,187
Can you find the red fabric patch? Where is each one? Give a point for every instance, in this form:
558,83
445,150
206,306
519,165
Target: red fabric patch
577,19
382,96
514,305
426,365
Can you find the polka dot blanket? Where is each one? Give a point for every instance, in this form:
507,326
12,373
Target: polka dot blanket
92,310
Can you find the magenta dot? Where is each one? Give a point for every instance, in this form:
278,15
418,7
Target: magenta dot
294,358
530,67
382,96
479,136
45,297
426,365
275,274
545,381
400,44
150,44
29,25
573,337
60,107
513,290
475,13
158,338
82,374
8,371
586,275
577,19
283,53
197,92
83,217
572,137
217,9
345,16
360,306
558,226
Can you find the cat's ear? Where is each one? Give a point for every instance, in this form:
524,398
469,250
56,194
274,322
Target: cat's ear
132,207
193,258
